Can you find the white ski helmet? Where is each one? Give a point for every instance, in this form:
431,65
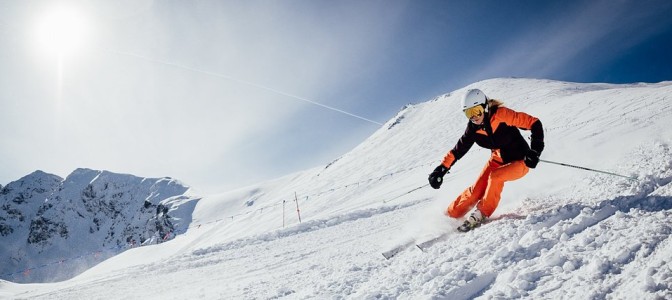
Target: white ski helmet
474,97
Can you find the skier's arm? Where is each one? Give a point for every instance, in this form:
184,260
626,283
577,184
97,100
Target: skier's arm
463,145
460,149
526,122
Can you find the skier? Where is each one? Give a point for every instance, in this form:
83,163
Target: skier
495,127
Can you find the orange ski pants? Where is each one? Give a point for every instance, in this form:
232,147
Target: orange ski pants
487,190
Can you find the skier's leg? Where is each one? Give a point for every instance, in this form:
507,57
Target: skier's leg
498,176
468,199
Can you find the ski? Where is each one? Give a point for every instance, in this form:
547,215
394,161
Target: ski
394,251
428,243
423,245
401,247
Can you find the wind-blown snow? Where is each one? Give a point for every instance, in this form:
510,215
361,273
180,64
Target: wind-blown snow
559,233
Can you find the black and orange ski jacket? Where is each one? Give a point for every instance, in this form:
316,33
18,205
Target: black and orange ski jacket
499,132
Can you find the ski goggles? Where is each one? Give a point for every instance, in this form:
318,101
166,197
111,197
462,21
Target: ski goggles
474,112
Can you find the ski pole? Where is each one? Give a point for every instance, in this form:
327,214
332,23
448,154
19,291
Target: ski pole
404,194
587,169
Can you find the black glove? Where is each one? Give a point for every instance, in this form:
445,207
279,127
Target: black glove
436,178
531,158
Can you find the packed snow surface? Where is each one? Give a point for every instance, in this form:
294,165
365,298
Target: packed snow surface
559,233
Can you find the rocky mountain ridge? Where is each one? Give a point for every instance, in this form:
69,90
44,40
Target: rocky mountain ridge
45,218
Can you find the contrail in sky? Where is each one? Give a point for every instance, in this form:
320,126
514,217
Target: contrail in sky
246,83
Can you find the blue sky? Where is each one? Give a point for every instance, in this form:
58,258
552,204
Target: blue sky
222,94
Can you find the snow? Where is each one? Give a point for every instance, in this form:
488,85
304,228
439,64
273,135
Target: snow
52,229
559,233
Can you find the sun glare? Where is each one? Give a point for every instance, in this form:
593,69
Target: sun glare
61,31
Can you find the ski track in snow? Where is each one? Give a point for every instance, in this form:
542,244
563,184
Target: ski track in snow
593,237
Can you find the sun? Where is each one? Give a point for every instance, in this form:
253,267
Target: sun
61,31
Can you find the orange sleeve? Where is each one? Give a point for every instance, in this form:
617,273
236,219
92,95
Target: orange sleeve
514,118
526,122
449,159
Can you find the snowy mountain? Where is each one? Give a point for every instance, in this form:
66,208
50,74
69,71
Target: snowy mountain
559,233
46,219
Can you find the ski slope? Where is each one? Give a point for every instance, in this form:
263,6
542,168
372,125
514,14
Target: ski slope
559,233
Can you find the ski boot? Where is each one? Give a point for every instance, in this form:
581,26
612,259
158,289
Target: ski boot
475,220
